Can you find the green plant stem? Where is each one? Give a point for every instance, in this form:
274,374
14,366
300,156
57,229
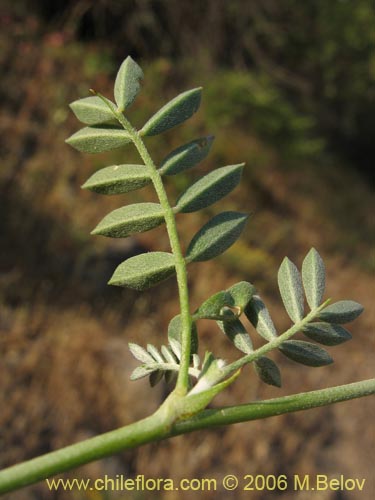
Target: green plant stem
272,407
158,427
180,265
273,344
32,471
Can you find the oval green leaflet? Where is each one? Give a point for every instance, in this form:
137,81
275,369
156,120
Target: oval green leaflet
313,277
140,353
144,271
118,179
210,188
186,156
131,219
216,236
173,113
268,371
155,353
341,312
97,139
174,333
258,315
92,110
290,285
236,333
128,83
305,353
142,371
326,334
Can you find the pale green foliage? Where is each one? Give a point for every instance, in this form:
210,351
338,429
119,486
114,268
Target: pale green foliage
241,294
183,410
216,236
174,333
257,313
118,179
236,297
313,277
341,312
99,139
186,156
236,332
212,307
209,189
130,219
128,83
305,353
109,128
291,291
327,334
166,362
92,110
174,112
145,270
268,371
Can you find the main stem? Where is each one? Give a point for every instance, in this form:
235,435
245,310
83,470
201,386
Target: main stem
155,428
180,265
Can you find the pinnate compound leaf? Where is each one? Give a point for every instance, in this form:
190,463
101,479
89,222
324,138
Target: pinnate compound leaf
92,110
174,333
258,315
290,285
211,308
313,276
175,346
131,219
341,312
186,156
268,371
142,371
127,83
326,334
216,236
118,179
155,353
241,294
305,353
210,188
97,139
144,271
237,334
168,354
140,353
174,112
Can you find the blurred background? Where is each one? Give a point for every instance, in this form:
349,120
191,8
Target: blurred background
288,89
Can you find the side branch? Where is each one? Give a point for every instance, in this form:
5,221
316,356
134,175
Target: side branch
272,407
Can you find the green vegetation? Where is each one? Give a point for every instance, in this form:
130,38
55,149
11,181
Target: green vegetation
64,359
187,400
